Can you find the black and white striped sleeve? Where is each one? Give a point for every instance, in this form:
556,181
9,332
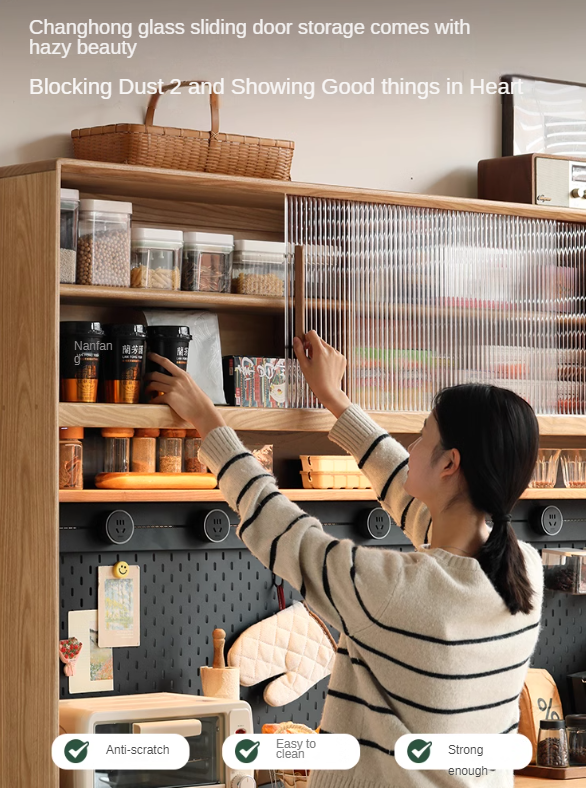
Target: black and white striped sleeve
384,461
347,585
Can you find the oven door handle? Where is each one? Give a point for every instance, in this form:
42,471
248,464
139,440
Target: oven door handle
182,727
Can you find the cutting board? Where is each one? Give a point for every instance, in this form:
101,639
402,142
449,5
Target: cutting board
569,773
156,481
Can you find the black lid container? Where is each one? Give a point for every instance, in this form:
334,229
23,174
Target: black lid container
123,362
172,342
81,344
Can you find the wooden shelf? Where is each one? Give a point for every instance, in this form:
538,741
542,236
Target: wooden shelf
271,419
127,496
177,496
138,297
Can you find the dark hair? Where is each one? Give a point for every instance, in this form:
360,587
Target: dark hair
497,435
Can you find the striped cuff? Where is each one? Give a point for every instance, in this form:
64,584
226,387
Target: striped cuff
354,431
219,446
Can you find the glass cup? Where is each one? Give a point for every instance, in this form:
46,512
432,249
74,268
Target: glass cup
546,468
574,467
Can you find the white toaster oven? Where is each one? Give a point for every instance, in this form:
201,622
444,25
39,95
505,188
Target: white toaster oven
218,717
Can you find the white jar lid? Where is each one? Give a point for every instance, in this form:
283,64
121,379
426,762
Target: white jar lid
105,206
69,194
152,234
216,239
266,247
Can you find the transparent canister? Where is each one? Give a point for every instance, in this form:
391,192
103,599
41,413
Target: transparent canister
70,458
156,258
68,235
207,262
258,268
576,730
144,451
171,451
103,248
117,449
564,569
552,744
192,445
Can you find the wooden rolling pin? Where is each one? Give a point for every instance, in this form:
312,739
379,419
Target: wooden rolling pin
220,681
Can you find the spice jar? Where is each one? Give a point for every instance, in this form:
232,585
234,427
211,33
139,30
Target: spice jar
103,248
259,268
207,262
80,347
68,235
552,744
171,451
117,449
155,259
123,362
576,730
191,447
70,458
144,451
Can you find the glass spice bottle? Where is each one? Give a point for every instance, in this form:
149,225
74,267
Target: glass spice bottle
70,458
171,451
552,744
191,447
144,451
117,449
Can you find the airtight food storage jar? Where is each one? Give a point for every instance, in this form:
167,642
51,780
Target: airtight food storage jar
259,268
207,262
156,258
68,235
103,248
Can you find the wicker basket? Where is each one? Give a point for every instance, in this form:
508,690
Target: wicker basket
185,149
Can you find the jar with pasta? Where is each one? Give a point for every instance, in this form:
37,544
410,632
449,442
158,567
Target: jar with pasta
70,458
171,451
156,258
207,262
259,268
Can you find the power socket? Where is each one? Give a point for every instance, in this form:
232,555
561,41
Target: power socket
215,525
119,527
375,523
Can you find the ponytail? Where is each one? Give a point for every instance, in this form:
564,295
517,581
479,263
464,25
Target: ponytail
503,563
497,435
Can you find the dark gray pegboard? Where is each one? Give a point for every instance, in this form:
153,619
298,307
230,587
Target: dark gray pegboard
188,588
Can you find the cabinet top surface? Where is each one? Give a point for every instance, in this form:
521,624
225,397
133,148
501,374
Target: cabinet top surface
132,181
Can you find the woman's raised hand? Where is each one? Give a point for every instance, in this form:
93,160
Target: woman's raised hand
323,368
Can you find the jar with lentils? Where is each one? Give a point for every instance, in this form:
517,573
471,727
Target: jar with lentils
103,247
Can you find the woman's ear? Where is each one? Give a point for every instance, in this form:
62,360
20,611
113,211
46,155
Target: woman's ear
450,463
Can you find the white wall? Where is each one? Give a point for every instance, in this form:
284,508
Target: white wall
399,143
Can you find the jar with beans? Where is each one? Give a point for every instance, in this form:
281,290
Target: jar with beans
156,258
103,248
552,744
259,268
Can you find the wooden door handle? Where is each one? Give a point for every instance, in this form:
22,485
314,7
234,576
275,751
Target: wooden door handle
299,293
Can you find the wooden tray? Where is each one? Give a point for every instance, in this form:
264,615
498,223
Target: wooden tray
569,773
156,481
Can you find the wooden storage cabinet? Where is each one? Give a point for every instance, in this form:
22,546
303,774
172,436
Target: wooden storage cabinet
30,413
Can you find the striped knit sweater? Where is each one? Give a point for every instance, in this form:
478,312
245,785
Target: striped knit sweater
427,645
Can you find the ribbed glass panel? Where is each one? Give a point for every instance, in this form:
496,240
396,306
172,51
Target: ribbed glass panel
420,298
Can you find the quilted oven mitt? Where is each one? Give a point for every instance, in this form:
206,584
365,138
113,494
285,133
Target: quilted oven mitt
294,645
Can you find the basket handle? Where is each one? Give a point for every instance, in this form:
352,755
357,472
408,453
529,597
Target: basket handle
214,103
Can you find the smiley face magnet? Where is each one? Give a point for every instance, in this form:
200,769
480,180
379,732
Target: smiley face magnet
120,569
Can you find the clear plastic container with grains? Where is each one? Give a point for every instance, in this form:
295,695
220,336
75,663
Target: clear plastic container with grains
103,247
156,258
259,268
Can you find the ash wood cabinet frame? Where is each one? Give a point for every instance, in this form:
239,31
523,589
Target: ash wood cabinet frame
29,315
